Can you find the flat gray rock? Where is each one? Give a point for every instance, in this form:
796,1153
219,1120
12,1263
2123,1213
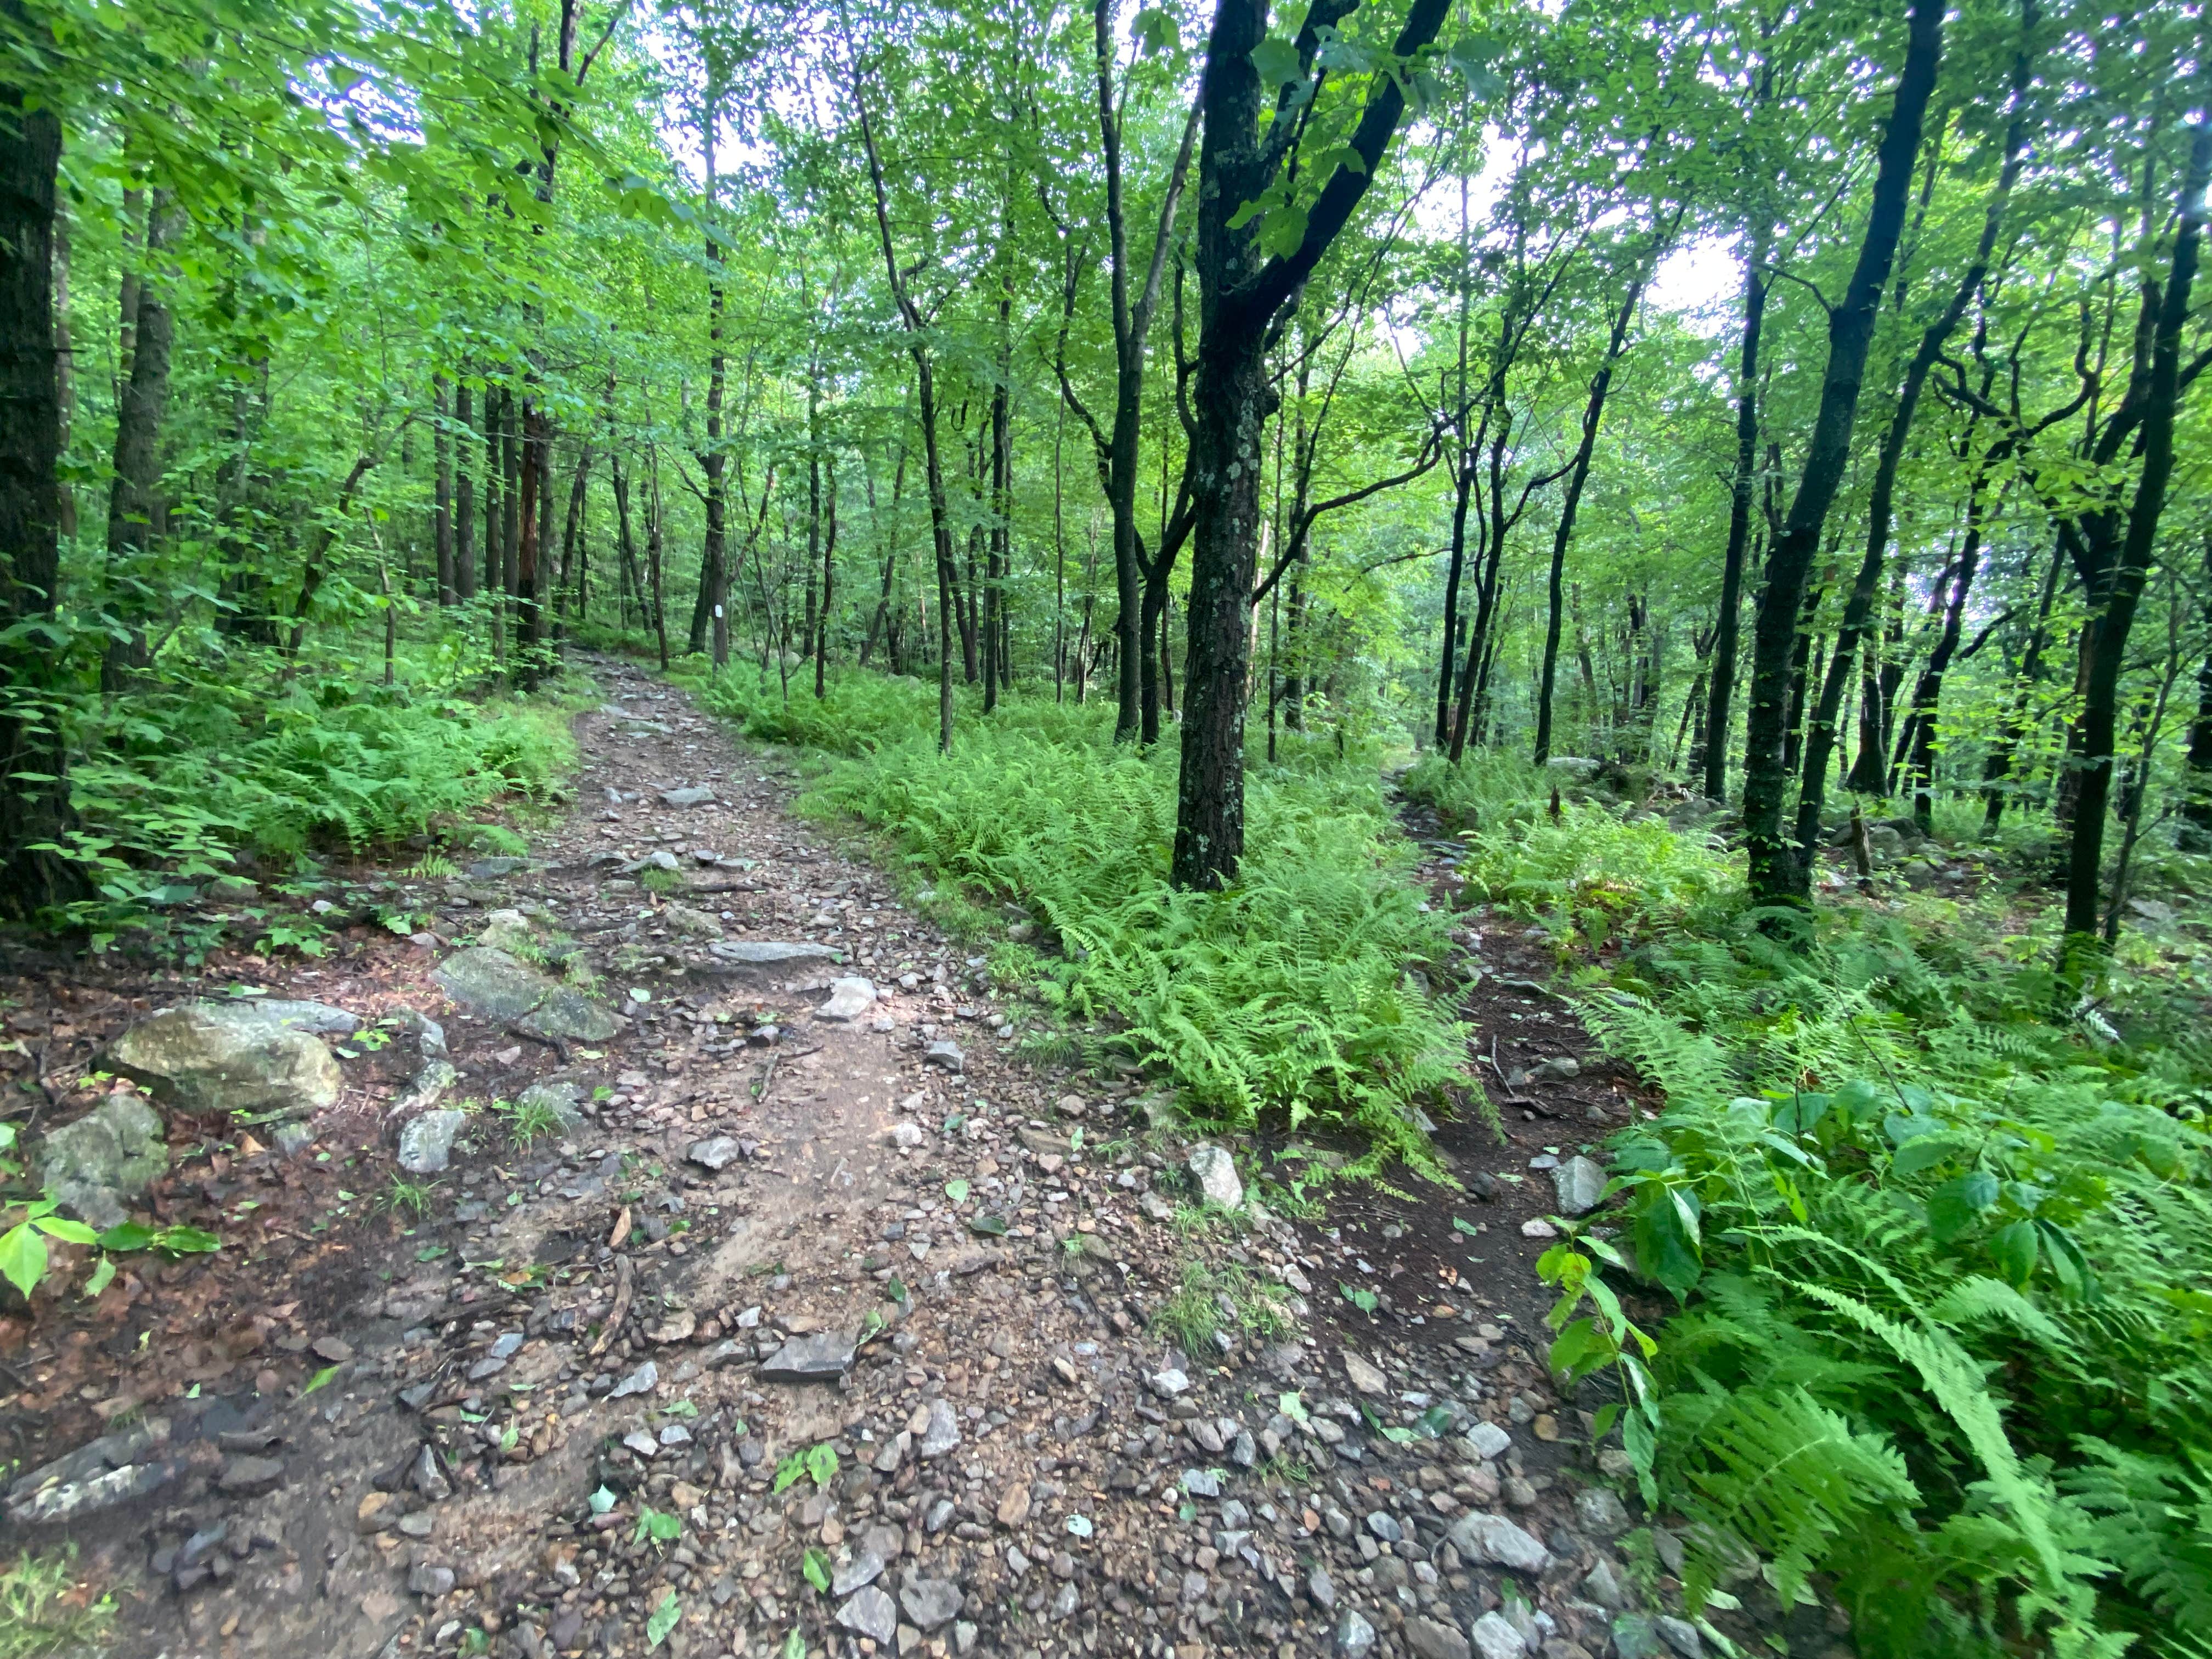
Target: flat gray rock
1494,1539
1579,1183
1354,1636
821,1358
766,961
942,1432
872,1613
931,1601
502,987
111,1153
715,1152
864,1569
850,997
1494,1638
426,1145
115,1469
319,1017
700,795
1216,1174
212,1058
945,1055
643,1380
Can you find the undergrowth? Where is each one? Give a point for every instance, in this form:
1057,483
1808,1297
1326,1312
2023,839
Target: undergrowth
1288,993
44,1610
1939,1241
182,786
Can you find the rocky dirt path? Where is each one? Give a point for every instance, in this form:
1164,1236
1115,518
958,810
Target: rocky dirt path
788,1313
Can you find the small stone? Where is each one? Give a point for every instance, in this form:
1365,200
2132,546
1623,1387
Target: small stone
246,1477
1493,1539
1014,1505
433,1582
1432,1640
1601,1513
931,1603
1602,1585
643,1380
1579,1183
428,1476
113,1152
1560,1069
1385,1527
1680,1635
1322,1589
1201,1483
1355,1637
1495,1638
870,1614
714,1153
824,1356
565,1101
698,795
1536,1227
1168,1383
850,997
1489,1440
864,1569
426,1145
942,1432
1364,1378
945,1055
677,1327
1216,1173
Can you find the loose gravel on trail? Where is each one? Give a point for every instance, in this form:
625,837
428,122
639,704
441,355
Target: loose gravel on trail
813,1318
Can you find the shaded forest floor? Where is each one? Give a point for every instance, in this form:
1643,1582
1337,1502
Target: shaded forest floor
561,1396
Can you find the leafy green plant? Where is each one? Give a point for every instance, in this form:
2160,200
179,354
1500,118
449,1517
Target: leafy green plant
44,1612
660,1526
817,1463
409,1198
529,1120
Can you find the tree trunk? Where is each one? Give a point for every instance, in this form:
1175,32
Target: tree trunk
1742,486
1778,873
1820,734
136,516
465,516
2110,622
829,589
2195,831
1240,301
1578,476
1997,768
441,512
35,797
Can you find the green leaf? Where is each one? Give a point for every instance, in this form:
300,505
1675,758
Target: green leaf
70,1232
895,1288
816,1566
822,1464
1365,1301
957,1191
663,1620
1461,1224
788,1471
1959,1203
1924,1153
987,1226
23,1258
794,1645
320,1379
602,1501
103,1275
1275,60
127,1236
2013,1248
186,1241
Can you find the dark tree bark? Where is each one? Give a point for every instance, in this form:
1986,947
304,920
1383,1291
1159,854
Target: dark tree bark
1240,299
925,373
709,612
828,585
2122,590
572,540
1919,771
510,496
1778,873
34,808
465,516
135,514
1743,487
441,511
1820,733
1577,476
2195,831
1997,768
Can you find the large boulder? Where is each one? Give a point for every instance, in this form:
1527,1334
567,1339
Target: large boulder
111,1153
502,987
212,1058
